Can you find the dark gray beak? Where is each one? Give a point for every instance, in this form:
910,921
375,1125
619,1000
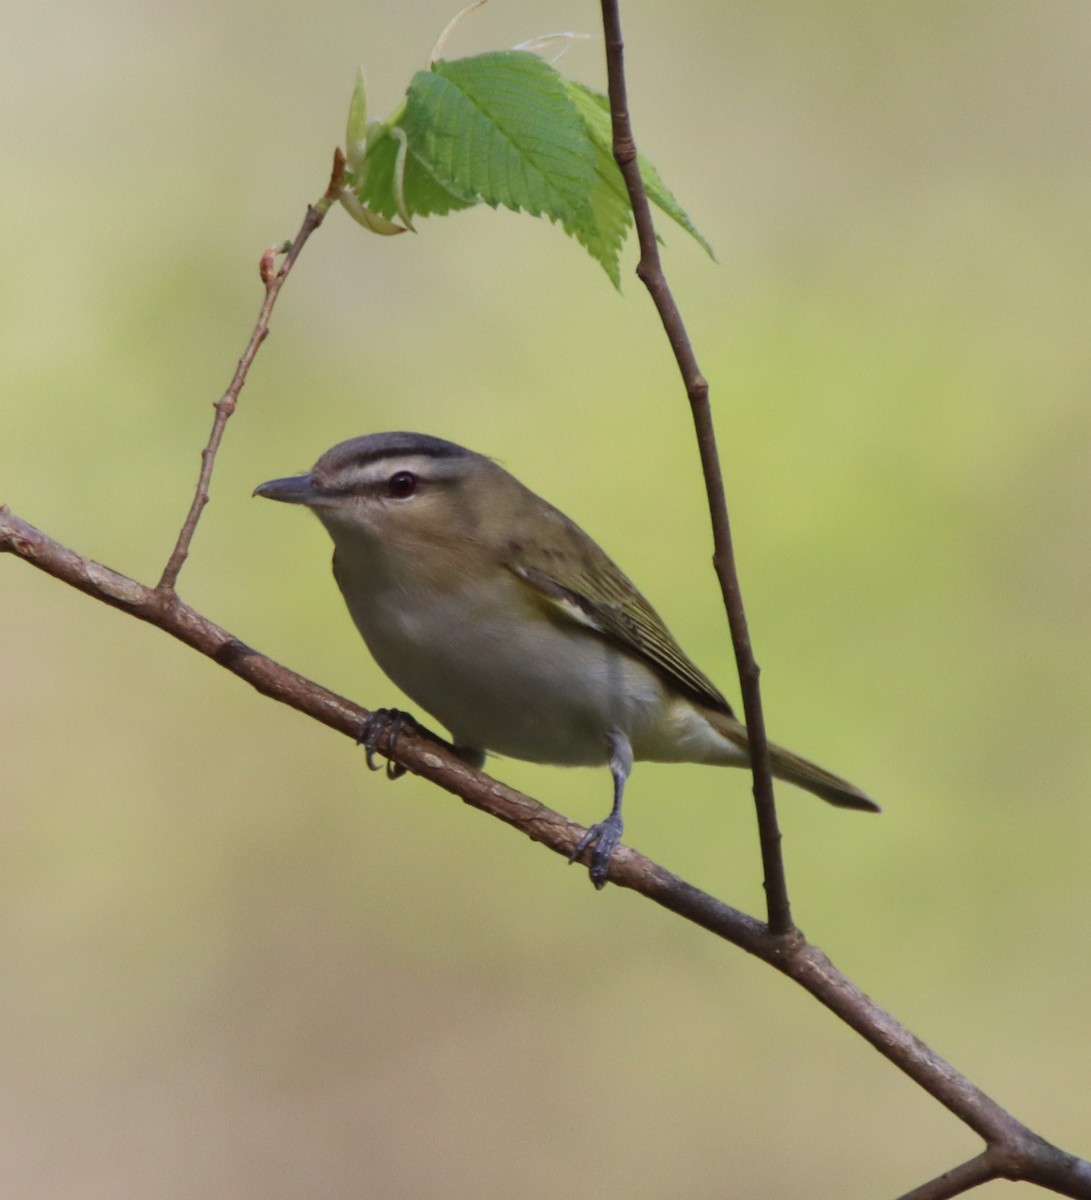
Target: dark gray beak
294,489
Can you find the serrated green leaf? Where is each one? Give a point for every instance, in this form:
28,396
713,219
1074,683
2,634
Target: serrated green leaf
594,108
613,218
609,196
502,128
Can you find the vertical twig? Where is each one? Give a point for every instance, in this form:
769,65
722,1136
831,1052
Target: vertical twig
225,406
650,271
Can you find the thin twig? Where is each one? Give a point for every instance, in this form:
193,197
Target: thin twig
650,271
1019,1155
959,1179
1014,1152
273,280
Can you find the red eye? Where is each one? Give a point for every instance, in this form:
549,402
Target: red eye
401,485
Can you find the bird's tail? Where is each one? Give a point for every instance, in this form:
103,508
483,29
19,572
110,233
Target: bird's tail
805,774
799,771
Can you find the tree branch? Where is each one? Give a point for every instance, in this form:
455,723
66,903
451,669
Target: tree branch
225,406
959,1179
1014,1152
650,271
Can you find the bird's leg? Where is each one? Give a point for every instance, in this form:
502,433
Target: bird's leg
604,836
391,721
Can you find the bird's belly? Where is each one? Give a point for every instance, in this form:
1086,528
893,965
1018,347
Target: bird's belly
515,685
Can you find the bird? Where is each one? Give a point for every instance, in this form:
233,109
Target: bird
512,627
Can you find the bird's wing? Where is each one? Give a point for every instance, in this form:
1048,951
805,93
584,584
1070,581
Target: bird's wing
598,596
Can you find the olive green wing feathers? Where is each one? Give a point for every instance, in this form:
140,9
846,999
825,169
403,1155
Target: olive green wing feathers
580,583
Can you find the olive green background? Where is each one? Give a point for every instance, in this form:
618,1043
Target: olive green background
236,964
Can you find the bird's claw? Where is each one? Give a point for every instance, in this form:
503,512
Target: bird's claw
389,722
602,839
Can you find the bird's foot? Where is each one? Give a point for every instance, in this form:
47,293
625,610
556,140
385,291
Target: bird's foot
391,722
602,839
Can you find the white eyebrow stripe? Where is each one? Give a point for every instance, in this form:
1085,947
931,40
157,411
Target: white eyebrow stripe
350,476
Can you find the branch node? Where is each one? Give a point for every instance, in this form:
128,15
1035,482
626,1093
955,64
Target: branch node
624,148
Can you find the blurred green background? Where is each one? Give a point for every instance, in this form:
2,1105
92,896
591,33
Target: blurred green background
235,963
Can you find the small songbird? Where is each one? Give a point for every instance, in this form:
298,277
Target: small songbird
511,626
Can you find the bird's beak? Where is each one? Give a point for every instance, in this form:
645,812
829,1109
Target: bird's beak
294,489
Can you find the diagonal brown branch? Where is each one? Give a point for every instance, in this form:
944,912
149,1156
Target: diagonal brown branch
1014,1152
650,271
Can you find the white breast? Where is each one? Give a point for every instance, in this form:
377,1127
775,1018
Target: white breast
499,674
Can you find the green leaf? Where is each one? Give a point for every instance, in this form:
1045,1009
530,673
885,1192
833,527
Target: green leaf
501,127
356,127
372,221
594,108
424,195
609,196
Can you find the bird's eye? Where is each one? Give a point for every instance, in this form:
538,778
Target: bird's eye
401,485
